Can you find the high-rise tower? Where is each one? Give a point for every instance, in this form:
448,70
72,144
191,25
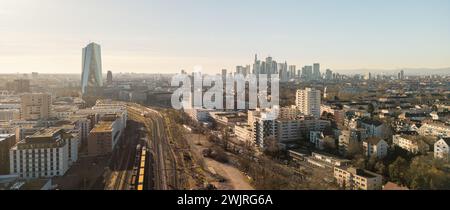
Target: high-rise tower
308,101
109,78
91,75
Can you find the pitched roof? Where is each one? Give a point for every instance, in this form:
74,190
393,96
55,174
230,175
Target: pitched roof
373,140
371,122
393,186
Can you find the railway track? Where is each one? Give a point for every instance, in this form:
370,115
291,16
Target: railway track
122,172
165,174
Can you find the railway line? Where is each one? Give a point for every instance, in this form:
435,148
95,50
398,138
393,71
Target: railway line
161,170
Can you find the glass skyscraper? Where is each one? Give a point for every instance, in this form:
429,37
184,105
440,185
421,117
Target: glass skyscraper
92,67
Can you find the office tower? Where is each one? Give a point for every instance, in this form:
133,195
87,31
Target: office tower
35,106
270,67
247,70
308,101
224,74
307,73
22,86
283,72
240,70
256,66
292,70
316,71
91,75
109,78
402,75
329,75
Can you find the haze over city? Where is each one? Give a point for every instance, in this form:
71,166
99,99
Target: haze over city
165,36
225,103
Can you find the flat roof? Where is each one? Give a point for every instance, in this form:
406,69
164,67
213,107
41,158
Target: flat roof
361,172
103,126
48,132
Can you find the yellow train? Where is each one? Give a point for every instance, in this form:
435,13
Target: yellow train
141,174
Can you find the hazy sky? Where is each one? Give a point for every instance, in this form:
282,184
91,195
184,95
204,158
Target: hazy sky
168,35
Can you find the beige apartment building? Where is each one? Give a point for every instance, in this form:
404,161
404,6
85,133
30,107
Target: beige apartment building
35,106
357,179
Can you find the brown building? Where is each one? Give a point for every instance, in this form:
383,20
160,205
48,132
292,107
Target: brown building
103,137
35,106
6,142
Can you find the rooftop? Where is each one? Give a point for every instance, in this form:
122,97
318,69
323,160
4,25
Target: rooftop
46,133
393,186
102,127
373,140
362,172
371,122
5,136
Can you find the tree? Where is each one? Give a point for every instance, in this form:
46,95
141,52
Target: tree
371,109
425,173
380,168
271,147
359,161
354,148
329,144
397,170
371,163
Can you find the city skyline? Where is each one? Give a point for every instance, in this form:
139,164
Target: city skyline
150,38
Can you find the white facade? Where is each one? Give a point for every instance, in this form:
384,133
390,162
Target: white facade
442,149
375,147
409,144
46,154
308,101
435,129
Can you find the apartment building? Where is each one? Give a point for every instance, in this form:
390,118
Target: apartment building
47,153
357,179
442,149
412,144
375,147
349,140
243,132
35,106
104,136
436,129
374,128
308,101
